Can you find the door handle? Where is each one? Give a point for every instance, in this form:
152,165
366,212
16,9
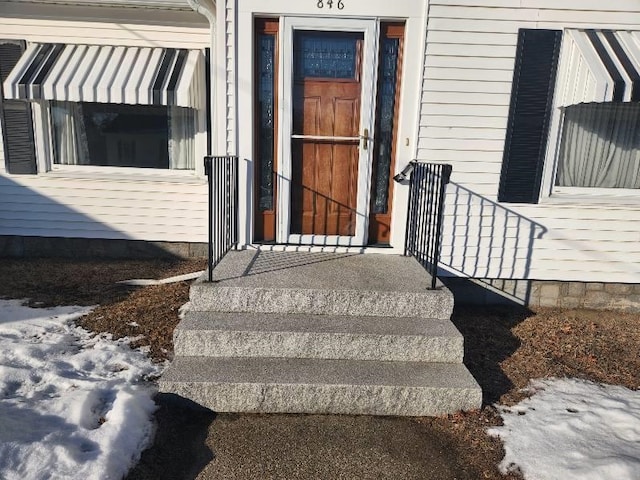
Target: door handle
365,138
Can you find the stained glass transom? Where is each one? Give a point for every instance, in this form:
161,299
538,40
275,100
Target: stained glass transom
266,118
386,110
326,55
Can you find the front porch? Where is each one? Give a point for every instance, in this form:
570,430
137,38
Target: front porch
304,332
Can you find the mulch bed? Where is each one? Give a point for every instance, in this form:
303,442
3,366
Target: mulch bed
505,347
147,313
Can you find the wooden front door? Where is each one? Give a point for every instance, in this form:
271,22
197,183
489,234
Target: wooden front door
326,153
325,142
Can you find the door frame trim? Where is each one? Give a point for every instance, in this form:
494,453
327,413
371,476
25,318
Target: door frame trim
370,29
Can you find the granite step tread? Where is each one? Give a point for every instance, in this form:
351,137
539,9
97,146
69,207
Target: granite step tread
215,297
318,336
321,284
322,386
278,322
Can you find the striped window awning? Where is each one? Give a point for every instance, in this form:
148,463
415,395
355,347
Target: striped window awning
108,74
599,66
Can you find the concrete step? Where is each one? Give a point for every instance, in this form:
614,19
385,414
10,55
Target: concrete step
321,284
276,385
218,298
318,336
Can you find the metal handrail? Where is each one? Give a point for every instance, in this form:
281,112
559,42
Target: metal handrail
222,175
428,183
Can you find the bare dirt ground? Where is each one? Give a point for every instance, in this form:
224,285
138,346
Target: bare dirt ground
505,348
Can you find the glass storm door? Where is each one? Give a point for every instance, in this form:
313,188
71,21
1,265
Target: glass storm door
328,79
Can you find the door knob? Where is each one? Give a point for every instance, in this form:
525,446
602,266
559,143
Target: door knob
365,138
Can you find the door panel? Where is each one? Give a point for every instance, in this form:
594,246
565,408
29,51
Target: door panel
326,105
324,198
328,77
325,168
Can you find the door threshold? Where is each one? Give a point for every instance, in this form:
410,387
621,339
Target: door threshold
275,247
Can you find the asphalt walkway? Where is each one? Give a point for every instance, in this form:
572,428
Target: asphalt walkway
326,447
194,443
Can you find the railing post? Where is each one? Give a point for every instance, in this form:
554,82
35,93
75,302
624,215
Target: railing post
222,173
234,183
425,214
445,176
409,228
209,173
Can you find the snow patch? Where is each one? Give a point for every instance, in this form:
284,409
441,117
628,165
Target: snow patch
573,429
73,405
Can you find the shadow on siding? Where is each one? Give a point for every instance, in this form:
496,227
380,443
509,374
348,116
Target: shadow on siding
483,240
34,225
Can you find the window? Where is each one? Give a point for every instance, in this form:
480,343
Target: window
324,55
600,146
266,118
112,106
142,136
589,117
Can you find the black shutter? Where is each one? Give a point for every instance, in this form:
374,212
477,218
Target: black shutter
529,113
15,118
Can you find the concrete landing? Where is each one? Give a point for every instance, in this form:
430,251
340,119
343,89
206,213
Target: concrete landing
337,271
321,284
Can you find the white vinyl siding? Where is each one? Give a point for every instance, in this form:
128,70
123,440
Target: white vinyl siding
174,4
104,26
149,207
465,104
151,210
230,85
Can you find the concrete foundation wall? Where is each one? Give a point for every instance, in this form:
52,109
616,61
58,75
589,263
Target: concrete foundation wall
547,293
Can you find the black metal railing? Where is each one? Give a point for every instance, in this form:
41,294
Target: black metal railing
222,173
424,222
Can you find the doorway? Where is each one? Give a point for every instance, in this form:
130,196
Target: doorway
319,174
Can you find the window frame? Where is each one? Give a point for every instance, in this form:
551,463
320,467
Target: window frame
43,130
549,191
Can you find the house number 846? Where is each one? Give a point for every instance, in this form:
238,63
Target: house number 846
329,3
